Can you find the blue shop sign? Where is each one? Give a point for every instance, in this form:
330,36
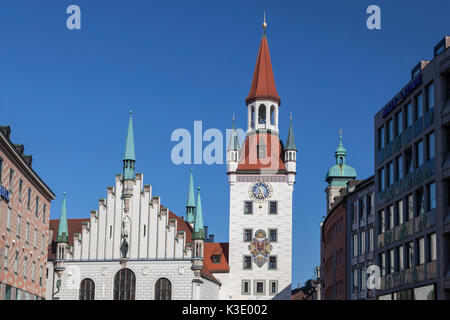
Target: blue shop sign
4,194
403,94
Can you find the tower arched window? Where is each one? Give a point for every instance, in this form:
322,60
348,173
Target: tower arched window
272,115
124,285
262,114
252,119
163,289
87,289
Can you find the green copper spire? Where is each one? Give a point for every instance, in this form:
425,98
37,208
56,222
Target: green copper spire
199,232
129,157
190,202
63,232
234,142
290,142
340,173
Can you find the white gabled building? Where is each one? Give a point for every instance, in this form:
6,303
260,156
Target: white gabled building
132,247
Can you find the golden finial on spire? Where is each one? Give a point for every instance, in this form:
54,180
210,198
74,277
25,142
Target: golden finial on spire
264,23
290,116
340,132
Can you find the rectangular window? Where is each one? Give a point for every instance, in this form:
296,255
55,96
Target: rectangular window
408,158
380,138
37,207
432,243
410,254
248,235
41,272
29,198
382,222
419,106
33,271
44,213
383,264
391,262
371,239
400,254
11,178
273,207
259,287
363,278
430,146
20,189
369,205
18,226
390,171
245,286
35,238
25,267
431,196
399,121
430,96
261,151
1,169
247,262
410,207
144,231
390,217
409,115
399,212
421,251
248,207
273,235
355,245
355,280
16,262
381,179
363,242
398,168
273,284
27,232
355,211
420,202
5,263
419,154
390,127
272,263
8,219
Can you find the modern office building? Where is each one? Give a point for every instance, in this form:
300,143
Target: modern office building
412,181
24,218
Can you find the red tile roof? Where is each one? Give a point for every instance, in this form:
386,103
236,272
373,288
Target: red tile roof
216,248
273,162
263,82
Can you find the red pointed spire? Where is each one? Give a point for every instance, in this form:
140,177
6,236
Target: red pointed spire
263,82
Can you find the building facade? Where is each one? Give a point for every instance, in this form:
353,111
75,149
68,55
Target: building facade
261,176
360,237
412,183
132,247
24,219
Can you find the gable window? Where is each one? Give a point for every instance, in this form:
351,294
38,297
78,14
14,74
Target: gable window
248,207
215,258
273,207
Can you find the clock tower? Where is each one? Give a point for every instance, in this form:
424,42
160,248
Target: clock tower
261,175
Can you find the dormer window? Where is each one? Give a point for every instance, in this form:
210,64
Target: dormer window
215,258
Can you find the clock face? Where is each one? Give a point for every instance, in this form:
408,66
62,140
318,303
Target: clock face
261,191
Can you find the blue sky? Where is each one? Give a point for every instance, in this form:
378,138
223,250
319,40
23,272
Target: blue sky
66,94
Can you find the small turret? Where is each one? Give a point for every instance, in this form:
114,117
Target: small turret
190,202
198,236
129,158
62,239
290,154
233,151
